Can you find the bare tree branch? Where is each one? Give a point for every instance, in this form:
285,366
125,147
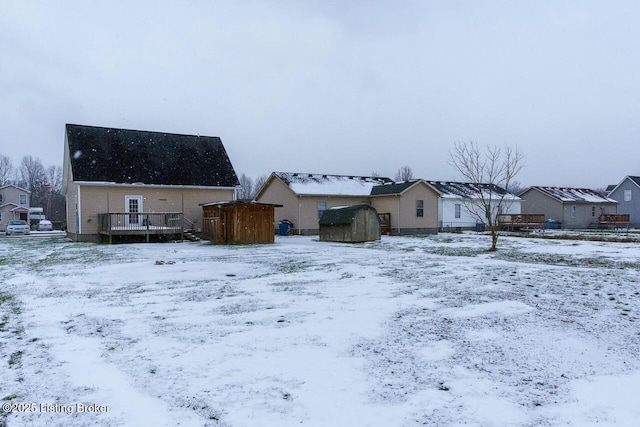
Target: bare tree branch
258,184
489,174
6,169
405,173
246,187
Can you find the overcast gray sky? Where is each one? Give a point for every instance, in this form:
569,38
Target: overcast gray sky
337,87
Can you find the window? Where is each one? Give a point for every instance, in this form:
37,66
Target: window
627,195
573,211
0,217
322,206
593,211
457,209
0,198
420,208
23,199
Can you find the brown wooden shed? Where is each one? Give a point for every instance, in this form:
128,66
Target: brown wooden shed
351,224
238,222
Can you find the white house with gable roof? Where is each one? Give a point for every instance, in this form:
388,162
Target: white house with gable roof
459,206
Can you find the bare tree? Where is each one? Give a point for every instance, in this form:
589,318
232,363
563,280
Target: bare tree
54,201
246,187
516,187
54,178
257,185
405,173
33,177
489,172
6,169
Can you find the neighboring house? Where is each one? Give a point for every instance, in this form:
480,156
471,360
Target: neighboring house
120,182
350,224
572,207
305,196
14,204
627,193
459,206
409,208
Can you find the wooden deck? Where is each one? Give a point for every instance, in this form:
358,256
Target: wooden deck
513,222
613,221
120,224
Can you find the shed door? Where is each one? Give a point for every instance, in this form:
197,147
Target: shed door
133,204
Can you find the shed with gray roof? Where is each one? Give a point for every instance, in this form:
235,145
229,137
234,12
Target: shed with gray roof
350,224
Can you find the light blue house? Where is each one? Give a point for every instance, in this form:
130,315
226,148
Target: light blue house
627,193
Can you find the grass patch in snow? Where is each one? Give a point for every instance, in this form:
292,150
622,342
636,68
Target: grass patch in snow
15,358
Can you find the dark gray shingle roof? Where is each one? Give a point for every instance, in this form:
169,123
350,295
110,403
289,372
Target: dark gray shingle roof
99,154
392,188
464,189
573,195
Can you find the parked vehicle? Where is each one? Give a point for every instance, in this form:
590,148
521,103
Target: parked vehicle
45,225
17,226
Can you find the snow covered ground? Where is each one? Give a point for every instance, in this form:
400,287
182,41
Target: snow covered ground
406,331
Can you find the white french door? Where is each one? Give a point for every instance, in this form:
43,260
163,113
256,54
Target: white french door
133,205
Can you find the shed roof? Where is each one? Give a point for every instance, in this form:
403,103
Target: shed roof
341,215
241,202
338,185
100,154
573,195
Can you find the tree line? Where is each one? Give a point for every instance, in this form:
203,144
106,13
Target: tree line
44,183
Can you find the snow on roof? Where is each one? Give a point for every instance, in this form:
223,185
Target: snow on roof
14,186
340,185
457,190
575,195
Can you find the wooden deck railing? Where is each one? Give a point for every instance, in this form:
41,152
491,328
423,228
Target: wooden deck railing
614,220
142,223
520,221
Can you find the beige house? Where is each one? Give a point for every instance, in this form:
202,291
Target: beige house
131,184
404,208
14,204
411,206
